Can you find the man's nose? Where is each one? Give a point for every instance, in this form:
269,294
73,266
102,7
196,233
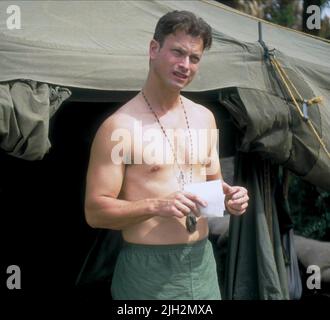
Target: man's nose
184,63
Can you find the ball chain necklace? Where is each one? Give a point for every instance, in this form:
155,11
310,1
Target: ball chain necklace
191,218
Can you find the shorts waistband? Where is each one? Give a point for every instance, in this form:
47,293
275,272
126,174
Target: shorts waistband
158,248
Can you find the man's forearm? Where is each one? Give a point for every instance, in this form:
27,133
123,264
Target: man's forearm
117,214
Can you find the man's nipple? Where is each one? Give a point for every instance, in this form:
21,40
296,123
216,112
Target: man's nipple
155,168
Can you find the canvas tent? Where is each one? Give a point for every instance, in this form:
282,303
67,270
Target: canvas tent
72,45
92,46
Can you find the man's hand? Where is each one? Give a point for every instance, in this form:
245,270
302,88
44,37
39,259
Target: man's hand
236,199
178,204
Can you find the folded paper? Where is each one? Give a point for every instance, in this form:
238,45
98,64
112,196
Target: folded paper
212,193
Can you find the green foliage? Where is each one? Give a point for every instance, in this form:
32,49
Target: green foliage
288,13
310,209
282,13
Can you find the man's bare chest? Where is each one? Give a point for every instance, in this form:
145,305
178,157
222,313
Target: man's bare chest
153,144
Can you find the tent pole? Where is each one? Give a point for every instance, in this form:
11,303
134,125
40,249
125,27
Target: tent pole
261,41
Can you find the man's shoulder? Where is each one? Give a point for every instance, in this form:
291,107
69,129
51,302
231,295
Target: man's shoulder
115,121
198,109
124,117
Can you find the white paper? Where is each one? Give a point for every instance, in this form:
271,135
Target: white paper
212,193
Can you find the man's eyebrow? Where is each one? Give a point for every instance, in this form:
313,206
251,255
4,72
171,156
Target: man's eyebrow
178,47
183,50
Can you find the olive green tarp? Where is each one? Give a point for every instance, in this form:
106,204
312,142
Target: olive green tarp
25,110
104,45
255,266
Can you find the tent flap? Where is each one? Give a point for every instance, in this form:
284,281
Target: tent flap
25,109
255,267
271,126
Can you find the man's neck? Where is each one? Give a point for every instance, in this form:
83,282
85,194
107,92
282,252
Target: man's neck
160,98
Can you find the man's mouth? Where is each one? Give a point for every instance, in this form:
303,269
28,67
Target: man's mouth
180,75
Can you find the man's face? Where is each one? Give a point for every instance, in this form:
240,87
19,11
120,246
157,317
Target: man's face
177,61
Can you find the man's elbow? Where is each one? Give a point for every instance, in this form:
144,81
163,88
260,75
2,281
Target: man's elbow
96,217
93,212
90,216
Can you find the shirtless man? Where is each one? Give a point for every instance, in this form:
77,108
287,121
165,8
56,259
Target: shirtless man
160,258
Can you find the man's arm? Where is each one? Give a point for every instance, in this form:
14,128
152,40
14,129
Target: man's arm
236,198
104,182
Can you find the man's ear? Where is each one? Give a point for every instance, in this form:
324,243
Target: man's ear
153,48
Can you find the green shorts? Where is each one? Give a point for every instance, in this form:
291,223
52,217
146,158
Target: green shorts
166,272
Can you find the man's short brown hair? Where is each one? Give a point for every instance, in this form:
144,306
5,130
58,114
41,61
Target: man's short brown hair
183,21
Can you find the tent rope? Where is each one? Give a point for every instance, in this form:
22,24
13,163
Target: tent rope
287,82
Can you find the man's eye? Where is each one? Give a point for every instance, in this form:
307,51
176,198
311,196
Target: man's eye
194,60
